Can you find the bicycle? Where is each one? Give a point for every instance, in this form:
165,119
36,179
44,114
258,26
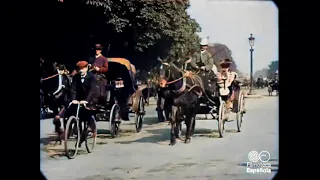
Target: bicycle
74,131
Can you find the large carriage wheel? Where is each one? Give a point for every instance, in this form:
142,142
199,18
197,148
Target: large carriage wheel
148,95
140,115
72,137
221,115
241,110
91,138
114,125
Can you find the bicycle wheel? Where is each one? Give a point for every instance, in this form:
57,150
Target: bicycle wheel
72,137
91,138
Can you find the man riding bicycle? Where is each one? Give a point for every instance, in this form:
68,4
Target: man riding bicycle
85,90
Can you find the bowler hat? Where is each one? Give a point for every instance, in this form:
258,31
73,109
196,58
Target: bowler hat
98,47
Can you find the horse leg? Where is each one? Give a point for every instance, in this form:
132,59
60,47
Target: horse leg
57,124
173,121
189,124
193,119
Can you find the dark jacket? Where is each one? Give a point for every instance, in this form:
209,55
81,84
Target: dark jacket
86,90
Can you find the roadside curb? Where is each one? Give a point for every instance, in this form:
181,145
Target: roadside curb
253,96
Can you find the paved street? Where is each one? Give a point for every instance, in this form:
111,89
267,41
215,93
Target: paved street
147,155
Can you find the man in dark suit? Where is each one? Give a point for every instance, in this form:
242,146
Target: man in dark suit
84,85
85,89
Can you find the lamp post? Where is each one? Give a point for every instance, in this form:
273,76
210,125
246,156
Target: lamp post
251,43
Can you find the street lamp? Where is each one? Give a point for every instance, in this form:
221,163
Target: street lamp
251,43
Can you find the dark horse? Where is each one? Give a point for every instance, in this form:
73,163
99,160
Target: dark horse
185,93
55,88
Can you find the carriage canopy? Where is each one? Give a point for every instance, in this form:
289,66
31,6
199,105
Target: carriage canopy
119,69
122,61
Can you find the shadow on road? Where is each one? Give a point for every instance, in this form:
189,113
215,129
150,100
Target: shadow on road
160,135
48,140
150,120
157,135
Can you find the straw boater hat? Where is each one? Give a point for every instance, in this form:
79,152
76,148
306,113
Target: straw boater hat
82,64
204,42
98,47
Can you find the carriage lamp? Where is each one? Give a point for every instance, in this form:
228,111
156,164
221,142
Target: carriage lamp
251,43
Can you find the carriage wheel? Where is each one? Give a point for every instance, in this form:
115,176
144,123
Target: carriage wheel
140,115
222,112
114,125
91,138
240,111
148,96
72,137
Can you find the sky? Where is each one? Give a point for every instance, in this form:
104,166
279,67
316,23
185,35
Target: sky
231,22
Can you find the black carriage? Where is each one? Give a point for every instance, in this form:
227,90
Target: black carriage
122,94
217,104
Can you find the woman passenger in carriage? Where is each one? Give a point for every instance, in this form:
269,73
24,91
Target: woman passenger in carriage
230,76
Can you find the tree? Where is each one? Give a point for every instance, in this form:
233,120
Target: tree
263,72
148,23
221,52
273,67
139,30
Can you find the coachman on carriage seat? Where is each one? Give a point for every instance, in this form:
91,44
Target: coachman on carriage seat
99,66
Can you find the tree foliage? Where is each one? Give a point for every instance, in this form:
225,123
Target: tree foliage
273,67
152,22
221,52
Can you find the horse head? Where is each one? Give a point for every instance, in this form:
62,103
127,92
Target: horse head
170,76
51,78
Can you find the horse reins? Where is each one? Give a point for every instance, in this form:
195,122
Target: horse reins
62,72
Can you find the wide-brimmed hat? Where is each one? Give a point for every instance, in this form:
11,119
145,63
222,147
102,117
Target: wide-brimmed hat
226,61
82,64
98,47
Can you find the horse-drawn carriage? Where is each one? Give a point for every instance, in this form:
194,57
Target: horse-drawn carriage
121,97
228,97
273,85
186,93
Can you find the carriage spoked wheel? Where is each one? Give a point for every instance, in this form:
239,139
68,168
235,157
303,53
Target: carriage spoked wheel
148,96
114,120
241,109
72,137
221,118
91,137
140,115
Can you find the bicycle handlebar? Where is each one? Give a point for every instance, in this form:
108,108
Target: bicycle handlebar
84,104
